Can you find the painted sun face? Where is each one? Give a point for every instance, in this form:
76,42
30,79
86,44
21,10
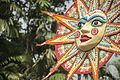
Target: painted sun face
87,36
91,30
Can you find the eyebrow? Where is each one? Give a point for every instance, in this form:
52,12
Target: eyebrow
85,18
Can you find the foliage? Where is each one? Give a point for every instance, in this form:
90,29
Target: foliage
22,26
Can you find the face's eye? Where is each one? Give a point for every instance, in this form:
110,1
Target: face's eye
97,22
80,25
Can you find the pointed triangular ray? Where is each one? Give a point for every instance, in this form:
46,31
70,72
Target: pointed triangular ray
108,45
81,8
105,5
78,61
72,51
64,20
66,38
93,5
115,24
87,2
94,59
111,28
113,20
113,13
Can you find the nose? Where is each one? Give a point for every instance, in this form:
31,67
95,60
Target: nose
85,30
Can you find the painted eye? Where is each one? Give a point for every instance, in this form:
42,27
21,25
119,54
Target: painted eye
96,23
80,25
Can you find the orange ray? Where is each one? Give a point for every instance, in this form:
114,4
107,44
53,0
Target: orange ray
113,18
66,38
111,28
111,14
94,4
105,5
78,61
115,24
81,8
70,23
108,45
72,51
94,59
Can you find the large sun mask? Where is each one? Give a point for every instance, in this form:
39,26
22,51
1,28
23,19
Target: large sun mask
91,29
87,36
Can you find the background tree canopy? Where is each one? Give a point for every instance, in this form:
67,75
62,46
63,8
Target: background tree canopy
22,26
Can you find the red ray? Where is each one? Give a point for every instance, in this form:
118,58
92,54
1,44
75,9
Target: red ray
103,6
80,3
113,13
94,64
110,22
113,47
115,24
76,64
106,36
118,5
60,18
72,49
94,4
66,38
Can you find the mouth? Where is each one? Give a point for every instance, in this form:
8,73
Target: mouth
84,38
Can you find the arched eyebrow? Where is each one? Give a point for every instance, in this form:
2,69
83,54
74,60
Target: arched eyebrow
85,18
95,16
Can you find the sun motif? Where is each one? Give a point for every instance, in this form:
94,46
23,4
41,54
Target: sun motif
87,36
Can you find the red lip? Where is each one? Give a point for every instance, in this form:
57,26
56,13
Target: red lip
84,38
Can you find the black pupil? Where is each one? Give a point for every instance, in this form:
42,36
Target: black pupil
80,25
95,22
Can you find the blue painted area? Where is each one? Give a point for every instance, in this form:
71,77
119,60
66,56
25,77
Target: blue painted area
95,16
84,18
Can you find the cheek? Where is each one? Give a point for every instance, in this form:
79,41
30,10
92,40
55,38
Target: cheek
94,31
77,34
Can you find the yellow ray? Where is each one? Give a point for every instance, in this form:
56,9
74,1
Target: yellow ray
70,23
81,8
105,5
72,51
66,38
93,5
111,28
112,13
78,61
94,59
108,45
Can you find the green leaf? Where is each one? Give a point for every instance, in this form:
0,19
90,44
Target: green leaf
58,76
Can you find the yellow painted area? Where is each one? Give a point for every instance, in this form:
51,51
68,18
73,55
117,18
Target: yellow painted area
73,10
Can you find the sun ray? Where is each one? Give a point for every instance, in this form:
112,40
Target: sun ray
110,28
72,51
94,59
73,55
105,5
115,24
78,61
64,39
70,23
94,4
81,8
111,14
108,45
110,22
